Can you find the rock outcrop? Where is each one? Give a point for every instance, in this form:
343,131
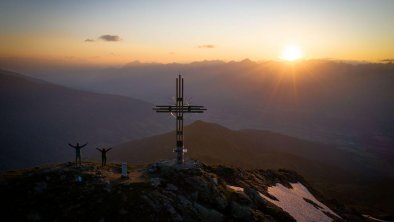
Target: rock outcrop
159,192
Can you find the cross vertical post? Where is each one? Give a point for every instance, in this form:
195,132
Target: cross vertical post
179,109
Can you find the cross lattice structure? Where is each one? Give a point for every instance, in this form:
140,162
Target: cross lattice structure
179,109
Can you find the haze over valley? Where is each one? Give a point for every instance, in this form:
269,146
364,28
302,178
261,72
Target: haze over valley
327,101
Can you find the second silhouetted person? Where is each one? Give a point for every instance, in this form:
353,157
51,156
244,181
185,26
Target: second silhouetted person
103,155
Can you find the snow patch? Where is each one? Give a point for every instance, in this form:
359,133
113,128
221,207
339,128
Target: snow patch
292,201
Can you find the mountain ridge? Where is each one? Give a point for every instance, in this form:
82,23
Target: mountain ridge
244,144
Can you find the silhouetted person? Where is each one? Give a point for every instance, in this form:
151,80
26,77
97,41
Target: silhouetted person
103,155
78,152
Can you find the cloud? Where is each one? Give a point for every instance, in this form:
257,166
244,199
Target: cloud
89,40
207,46
110,38
387,60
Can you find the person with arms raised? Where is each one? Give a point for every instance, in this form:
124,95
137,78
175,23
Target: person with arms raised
77,152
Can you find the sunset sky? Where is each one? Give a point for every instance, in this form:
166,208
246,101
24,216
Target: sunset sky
117,32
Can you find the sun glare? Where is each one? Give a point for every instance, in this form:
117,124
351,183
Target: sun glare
291,53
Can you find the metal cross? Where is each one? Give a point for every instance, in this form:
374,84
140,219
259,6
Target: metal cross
179,109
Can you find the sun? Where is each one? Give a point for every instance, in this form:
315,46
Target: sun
291,53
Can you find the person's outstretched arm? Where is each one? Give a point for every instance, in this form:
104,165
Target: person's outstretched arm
99,149
109,149
71,145
84,145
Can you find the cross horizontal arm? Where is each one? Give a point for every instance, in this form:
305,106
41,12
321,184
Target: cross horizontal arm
164,111
160,106
178,109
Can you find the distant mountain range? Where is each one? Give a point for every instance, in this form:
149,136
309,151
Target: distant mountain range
349,105
39,119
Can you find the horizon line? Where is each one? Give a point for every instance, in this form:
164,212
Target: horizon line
63,62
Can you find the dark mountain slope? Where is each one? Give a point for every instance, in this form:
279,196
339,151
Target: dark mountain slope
38,119
356,179
253,148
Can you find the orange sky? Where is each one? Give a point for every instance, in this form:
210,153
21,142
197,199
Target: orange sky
185,31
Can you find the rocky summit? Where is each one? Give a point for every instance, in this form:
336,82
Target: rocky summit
163,191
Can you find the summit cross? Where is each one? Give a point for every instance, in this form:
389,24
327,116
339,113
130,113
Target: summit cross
179,109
